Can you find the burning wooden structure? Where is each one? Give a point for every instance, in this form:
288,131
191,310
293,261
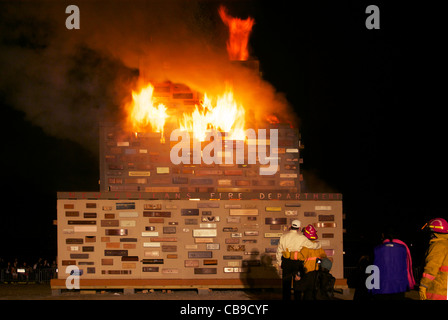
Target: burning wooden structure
196,216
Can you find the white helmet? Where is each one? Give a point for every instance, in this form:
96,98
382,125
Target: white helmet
296,224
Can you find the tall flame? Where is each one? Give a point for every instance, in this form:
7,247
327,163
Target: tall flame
224,115
144,112
239,29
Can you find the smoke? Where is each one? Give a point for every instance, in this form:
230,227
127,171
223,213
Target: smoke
67,81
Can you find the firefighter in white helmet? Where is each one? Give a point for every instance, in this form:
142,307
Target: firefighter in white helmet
289,257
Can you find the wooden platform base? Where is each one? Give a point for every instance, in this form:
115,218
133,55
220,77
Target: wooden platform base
129,285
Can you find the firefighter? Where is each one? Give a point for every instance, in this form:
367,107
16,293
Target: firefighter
288,255
433,285
312,259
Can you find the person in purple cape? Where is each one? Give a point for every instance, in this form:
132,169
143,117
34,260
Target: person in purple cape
394,262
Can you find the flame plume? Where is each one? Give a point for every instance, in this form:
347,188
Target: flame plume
239,29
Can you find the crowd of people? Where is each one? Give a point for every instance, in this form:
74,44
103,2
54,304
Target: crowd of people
23,271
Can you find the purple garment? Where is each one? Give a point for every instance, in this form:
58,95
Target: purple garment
409,262
391,259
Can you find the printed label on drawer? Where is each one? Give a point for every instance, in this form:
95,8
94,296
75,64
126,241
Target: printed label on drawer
251,233
207,225
150,269
191,263
139,173
152,253
204,233
324,225
243,212
275,220
236,247
152,261
151,244
204,270
189,212
85,229
200,254
288,175
127,223
125,205
128,214
170,270
322,208
152,206
326,217
116,232
273,235
150,234
163,170
324,243
169,230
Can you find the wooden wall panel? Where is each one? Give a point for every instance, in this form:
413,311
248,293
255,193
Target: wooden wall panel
143,164
181,239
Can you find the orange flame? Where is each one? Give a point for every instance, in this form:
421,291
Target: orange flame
144,113
220,114
224,115
272,119
239,29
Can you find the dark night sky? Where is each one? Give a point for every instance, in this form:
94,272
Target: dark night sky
369,117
